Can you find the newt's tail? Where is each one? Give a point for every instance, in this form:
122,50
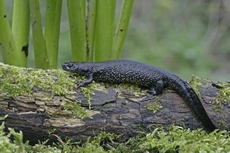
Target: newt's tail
194,103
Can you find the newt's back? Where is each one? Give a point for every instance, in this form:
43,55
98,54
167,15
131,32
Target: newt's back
118,71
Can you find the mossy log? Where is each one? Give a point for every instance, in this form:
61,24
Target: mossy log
40,102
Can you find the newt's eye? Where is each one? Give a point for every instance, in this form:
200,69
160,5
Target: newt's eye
67,66
70,65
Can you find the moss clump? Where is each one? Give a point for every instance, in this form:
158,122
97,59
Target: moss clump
87,93
17,81
154,107
178,139
76,109
130,87
195,82
223,95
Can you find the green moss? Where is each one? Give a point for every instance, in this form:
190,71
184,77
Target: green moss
92,144
195,82
154,106
87,91
16,81
51,131
76,109
223,123
178,139
222,96
130,87
175,139
13,142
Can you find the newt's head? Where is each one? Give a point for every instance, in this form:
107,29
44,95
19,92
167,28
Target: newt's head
82,68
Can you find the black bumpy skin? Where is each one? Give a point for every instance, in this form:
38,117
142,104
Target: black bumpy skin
154,78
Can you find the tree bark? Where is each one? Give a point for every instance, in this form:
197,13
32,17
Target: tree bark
113,109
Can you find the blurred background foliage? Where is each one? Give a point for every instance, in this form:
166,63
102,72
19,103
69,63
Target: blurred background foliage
185,37
182,36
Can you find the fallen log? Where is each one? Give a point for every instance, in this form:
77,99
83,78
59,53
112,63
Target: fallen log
40,102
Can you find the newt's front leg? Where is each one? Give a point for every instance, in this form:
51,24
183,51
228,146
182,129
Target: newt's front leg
86,82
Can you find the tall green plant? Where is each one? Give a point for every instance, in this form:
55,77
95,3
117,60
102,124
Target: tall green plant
102,41
46,46
122,28
40,51
77,25
21,28
14,53
90,27
105,18
91,30
52,30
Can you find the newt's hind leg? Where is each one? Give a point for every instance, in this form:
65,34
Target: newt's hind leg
152,91
158,89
